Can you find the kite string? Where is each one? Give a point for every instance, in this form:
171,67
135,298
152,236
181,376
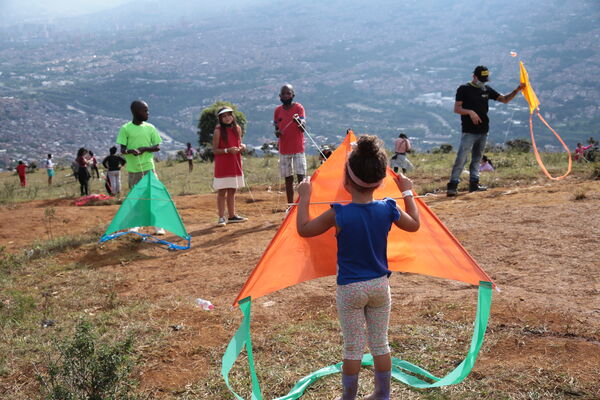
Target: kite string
301,125
239,164
537,154
349,201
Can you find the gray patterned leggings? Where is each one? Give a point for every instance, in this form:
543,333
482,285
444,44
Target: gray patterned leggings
364,303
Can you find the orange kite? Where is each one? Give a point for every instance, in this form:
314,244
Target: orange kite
290,259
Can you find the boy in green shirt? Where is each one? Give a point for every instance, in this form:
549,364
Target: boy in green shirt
138,140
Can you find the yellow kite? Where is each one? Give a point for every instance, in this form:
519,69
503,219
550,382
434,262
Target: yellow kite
534,105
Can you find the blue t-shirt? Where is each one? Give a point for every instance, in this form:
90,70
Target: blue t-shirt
362,239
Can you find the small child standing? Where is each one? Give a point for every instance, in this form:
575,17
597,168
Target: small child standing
94,165
49,169
189,156
363,291
113,164
580,152
21,168
399,159
227,147
83,174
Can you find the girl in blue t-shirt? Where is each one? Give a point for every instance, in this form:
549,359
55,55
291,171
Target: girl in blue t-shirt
363,291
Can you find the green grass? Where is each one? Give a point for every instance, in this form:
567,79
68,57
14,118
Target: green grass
431,174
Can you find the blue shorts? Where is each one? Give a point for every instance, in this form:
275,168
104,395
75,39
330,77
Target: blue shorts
50,172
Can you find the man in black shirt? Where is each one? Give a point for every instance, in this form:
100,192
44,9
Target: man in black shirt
113,164
472,105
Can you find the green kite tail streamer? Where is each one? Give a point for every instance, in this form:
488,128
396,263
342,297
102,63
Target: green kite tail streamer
240,340
402,371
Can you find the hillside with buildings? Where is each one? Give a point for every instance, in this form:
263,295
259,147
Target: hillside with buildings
380,68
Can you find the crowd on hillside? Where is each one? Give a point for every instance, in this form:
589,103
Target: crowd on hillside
290,130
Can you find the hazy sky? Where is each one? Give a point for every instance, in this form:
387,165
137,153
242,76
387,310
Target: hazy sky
20,10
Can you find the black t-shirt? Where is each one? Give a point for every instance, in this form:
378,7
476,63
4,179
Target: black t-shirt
113,162
476,99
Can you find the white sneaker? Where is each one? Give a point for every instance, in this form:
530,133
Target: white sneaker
221,221
159,231
134,229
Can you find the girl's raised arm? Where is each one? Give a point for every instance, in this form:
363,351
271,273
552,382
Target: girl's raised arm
305,226
409,220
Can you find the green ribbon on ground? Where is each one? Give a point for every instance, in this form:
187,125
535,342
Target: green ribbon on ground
401,370
234,348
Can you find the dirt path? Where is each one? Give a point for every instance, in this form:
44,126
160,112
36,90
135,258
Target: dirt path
538,244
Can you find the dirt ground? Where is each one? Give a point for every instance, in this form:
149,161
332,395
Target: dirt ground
539,244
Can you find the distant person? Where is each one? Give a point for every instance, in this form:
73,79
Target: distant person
139,140
486,165
21,172
83,174
363,296
113,164
325,153
189,156
227,146
49,165
290,132
94,165
580,152
75,169
472,104
399,159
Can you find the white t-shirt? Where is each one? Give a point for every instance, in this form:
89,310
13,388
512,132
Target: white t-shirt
49,163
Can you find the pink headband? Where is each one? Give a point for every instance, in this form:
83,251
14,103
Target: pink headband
359,181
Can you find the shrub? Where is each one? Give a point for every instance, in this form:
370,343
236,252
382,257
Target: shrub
519,145
89,370
8,194
180,156
443,149
592,155
596,172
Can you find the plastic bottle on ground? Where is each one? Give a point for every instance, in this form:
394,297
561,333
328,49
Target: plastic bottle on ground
204,304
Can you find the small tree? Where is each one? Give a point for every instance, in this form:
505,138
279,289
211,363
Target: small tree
89,370
269,148
208,121
519,145
443,149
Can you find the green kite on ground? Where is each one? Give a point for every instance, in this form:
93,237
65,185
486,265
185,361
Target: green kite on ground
148,204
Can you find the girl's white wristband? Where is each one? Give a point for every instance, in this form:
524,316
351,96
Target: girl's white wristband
407,193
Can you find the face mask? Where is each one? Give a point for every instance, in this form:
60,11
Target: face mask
286,102
479,84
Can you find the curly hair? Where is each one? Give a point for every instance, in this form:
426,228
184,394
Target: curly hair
368,161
